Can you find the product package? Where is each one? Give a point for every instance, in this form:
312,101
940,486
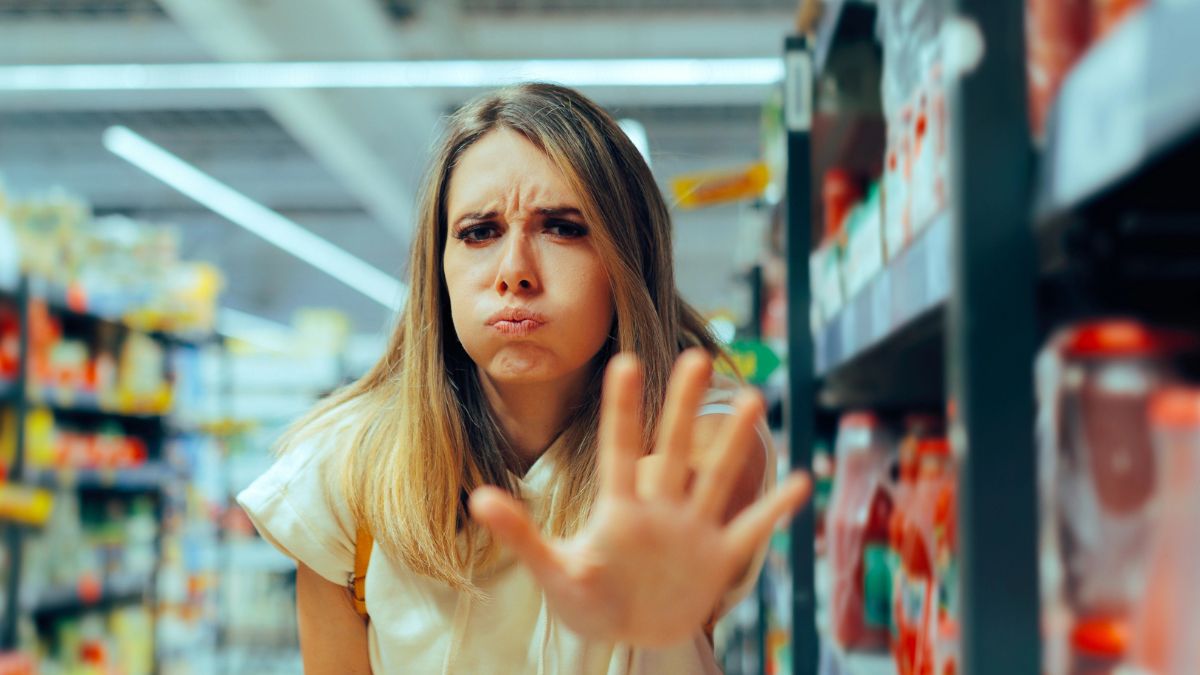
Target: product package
1097,478
857,533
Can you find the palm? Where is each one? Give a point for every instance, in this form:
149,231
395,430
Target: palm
651,563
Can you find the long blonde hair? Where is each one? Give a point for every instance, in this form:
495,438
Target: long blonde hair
422,435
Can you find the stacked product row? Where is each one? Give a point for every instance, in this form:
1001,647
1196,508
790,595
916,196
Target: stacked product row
110,266
872,220
869,220
1119,474
121,577
891,543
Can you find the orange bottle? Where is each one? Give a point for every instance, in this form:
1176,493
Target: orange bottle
919,585
916,428
945,631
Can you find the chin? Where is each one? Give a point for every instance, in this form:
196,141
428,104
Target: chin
527,364
516,362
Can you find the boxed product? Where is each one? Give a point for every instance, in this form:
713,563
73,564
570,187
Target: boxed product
825,275
864,242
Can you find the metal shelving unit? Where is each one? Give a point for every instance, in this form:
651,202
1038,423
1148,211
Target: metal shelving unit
153,478
116,590
1102,221
799,418
150,477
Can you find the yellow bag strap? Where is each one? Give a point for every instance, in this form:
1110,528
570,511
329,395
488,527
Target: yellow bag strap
358,583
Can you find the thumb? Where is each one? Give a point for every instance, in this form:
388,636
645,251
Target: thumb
509,522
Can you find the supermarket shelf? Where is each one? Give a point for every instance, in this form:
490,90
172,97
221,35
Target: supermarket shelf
842,21
866,664
117,589
148,478
1131,100
86,403
56,300
899,310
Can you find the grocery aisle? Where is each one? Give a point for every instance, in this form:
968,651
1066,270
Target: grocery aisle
154,342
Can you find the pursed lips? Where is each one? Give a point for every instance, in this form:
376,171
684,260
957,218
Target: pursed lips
516,321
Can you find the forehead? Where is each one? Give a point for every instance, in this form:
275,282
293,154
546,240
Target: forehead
505,169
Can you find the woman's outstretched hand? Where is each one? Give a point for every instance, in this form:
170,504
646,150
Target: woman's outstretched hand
650,565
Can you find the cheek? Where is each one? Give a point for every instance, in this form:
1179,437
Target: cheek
458,290
593,301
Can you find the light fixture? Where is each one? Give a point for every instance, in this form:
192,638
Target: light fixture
258,219
636,131
391,74
255,330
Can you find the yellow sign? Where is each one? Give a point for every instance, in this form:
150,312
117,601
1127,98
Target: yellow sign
696,190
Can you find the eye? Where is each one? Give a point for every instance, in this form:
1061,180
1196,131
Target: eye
566,229
477,233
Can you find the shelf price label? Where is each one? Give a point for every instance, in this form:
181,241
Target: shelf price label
756,361
25,505
696,190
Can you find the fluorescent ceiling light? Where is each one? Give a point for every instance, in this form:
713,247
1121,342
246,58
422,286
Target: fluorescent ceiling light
287,235
255,330
392,74
636,132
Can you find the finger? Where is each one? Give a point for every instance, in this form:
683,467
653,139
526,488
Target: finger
620,433
685,391
738,433
754,525
509,522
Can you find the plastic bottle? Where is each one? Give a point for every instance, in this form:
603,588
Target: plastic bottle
1108,14
1166,638
945,629
857,533
919,607
1057,33
1101,487
916,428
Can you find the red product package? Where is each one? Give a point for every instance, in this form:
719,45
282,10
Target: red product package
857,535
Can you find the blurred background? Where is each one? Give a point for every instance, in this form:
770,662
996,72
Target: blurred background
951,240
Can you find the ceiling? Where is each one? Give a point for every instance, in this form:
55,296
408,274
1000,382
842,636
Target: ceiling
345,163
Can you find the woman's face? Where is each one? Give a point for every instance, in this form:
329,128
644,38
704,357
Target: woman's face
529,296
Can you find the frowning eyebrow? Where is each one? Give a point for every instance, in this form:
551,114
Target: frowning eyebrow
559,211
547,211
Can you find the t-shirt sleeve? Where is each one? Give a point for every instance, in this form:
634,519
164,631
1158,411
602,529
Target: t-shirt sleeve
299,510
719,402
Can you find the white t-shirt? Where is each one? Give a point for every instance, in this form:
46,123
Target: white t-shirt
419,625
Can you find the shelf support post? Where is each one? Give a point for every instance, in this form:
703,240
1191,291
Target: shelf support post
991,347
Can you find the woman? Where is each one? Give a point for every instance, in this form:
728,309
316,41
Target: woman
544,495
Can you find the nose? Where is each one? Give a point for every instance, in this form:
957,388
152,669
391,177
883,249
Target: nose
518,266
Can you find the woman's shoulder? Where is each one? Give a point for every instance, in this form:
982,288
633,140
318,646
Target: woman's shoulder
297,504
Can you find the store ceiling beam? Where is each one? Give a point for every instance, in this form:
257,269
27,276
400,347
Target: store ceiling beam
600,35
373,141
